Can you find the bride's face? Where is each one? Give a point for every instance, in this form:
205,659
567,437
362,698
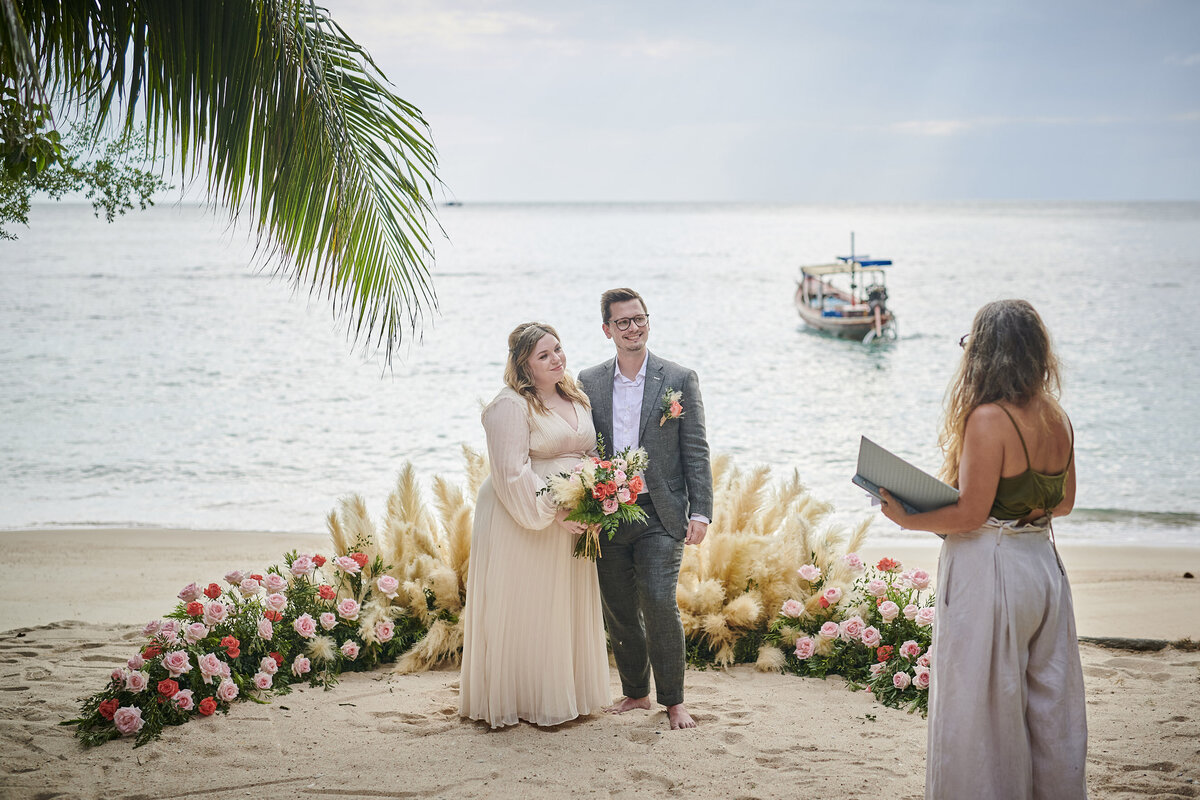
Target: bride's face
548,363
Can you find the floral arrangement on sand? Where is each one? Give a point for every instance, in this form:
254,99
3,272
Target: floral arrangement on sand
768,585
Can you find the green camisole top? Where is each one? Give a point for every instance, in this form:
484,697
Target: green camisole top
1018,495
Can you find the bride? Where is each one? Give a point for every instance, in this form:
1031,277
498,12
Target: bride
534,646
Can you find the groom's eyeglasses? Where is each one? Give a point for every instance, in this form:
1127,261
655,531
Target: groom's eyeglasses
641,320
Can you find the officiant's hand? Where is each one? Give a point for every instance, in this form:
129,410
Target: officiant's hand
569,525
891,507
695,532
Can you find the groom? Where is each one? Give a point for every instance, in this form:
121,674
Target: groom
639,567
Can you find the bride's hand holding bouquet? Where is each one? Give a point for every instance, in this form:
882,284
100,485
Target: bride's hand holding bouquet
600,494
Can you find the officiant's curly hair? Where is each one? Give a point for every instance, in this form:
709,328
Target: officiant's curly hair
521,343
1007,358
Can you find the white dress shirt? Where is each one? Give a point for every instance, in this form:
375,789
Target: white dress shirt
627,409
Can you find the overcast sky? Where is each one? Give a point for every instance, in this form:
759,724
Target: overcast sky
922,100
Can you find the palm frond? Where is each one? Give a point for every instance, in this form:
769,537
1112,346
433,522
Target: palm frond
288,119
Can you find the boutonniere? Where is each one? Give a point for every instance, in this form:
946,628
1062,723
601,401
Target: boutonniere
672,406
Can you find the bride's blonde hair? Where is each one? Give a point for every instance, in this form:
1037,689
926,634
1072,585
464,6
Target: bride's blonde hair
516,372
1008,358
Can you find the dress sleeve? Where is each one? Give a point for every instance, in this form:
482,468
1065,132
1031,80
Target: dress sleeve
507,427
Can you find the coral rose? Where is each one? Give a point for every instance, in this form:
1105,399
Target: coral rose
109,707
319,560
213,591
194,609
326,592
884,652
208,706
887,565
167,687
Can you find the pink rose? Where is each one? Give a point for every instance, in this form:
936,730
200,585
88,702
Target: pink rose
792,608
921,679
177,662
169,628
262,681
851,629
347,565
901,680
128,720
303,565
137,681
871,636
888,610
151,628
301,666
215,613
924,659
268,665
910,649
350,649
275,602
832,595
210,666
195,632
925,617
809,572
876,587
235,577
387,586
265,629
876,669
919,578
805,647
227,691
609,505
190,592
183,700
348,608
384,631
910,612
829,630
328,620
305,625
117,675
249,587
623,494
136,661
853,561
274,582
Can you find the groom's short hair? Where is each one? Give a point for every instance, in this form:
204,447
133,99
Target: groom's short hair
618,296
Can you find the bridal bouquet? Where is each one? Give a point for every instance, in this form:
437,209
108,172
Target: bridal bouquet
601,493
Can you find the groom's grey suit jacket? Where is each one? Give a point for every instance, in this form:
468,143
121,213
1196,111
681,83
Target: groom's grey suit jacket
679,477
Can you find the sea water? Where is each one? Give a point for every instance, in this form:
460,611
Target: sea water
151,375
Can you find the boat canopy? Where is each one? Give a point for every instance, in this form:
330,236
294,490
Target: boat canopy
863,261
838,269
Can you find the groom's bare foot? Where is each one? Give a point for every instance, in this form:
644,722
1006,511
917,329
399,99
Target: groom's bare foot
680,718
628,704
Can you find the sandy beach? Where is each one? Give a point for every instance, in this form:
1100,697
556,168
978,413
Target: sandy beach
73,601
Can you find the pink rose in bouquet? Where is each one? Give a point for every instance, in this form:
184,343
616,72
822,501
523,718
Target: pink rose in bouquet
921,677
274,582
128,720
854,562
235,577
249,587
227,691
805,647
177,662
152,627
348,608
830,597
601,494
610,505
387,586
809,572
305,625
851,629
136,661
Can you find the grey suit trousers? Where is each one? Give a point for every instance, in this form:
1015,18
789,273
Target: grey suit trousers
644,624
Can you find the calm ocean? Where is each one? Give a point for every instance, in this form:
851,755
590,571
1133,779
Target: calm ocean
151,377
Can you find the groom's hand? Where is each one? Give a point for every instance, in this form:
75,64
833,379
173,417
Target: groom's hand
695,532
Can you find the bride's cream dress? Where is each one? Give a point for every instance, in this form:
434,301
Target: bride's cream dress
534,646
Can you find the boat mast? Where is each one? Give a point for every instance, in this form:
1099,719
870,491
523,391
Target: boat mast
853,261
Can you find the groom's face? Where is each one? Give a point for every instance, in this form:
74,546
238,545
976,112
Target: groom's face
632,339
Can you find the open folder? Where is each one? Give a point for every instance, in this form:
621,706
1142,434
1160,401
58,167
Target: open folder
916,489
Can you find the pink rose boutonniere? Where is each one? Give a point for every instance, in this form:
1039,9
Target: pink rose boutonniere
672,406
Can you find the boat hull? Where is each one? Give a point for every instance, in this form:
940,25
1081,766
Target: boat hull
854,322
